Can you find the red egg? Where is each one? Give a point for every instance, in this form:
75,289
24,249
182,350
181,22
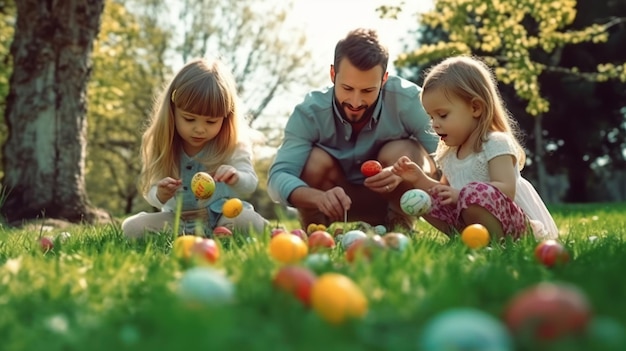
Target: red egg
297,281
548,311
365,248
550,253
371,167
320,240
46,243
222,232
276,231
205,251
300,233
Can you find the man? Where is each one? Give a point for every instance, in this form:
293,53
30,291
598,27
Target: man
365,115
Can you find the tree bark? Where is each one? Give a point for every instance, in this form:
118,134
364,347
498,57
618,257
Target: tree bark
44,155
542,174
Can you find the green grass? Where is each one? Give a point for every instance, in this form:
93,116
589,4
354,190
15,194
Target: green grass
98,291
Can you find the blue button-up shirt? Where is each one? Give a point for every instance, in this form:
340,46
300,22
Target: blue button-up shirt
316,122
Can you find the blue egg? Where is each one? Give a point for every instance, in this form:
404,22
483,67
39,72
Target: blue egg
206,286
380,229
465,329
348,238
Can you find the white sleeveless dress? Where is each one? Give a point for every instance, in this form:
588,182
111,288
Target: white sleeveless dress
475,168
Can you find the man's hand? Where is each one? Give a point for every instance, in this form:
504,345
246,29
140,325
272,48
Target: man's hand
384,182
333,203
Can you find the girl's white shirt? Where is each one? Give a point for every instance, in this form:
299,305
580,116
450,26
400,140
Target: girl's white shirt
475,168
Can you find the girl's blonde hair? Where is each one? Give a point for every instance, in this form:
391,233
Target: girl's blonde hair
202,87
472,80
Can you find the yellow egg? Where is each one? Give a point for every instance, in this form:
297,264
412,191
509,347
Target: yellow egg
288,248
202,185
475,236
311,228
183,245
232,208
337,298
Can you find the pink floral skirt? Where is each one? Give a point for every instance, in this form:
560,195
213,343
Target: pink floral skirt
510,215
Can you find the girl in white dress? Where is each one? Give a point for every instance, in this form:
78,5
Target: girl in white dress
479,155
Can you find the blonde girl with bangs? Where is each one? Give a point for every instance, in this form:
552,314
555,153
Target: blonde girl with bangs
196,127
479,155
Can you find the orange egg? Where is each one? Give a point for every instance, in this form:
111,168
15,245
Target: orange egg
232,208
336,298
288,248
475,236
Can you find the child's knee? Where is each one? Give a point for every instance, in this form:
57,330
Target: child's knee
132,229
249,220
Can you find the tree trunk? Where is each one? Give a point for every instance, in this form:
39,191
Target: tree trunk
44,155
578,177
542,175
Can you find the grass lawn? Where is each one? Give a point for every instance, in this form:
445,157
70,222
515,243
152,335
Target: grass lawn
99,291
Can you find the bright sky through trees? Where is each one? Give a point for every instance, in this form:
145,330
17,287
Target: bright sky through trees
327,21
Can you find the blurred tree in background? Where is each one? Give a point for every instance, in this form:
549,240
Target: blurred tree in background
561,65
267,55
129,69
45,112
7,28
137,52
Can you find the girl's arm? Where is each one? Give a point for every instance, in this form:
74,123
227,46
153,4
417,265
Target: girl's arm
246,178
412,173
503,174
162,192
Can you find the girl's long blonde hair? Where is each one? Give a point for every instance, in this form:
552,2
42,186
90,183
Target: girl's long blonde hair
472,80
202,87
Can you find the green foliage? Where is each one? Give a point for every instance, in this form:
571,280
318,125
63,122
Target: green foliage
255,39
136,52
498,31
7,23
99,291
128,72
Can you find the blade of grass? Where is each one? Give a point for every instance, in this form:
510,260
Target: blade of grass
179,209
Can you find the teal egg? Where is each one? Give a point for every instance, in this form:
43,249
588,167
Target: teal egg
465,329
318,262
607,333
348,238
205,286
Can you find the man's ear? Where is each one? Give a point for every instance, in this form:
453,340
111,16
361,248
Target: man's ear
385,76
477,108
332,73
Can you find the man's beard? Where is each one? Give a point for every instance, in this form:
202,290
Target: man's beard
369,110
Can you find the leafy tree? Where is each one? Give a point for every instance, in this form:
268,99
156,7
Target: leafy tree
44,155
7,25
267,56
586,120
134,56
129,70
523,40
